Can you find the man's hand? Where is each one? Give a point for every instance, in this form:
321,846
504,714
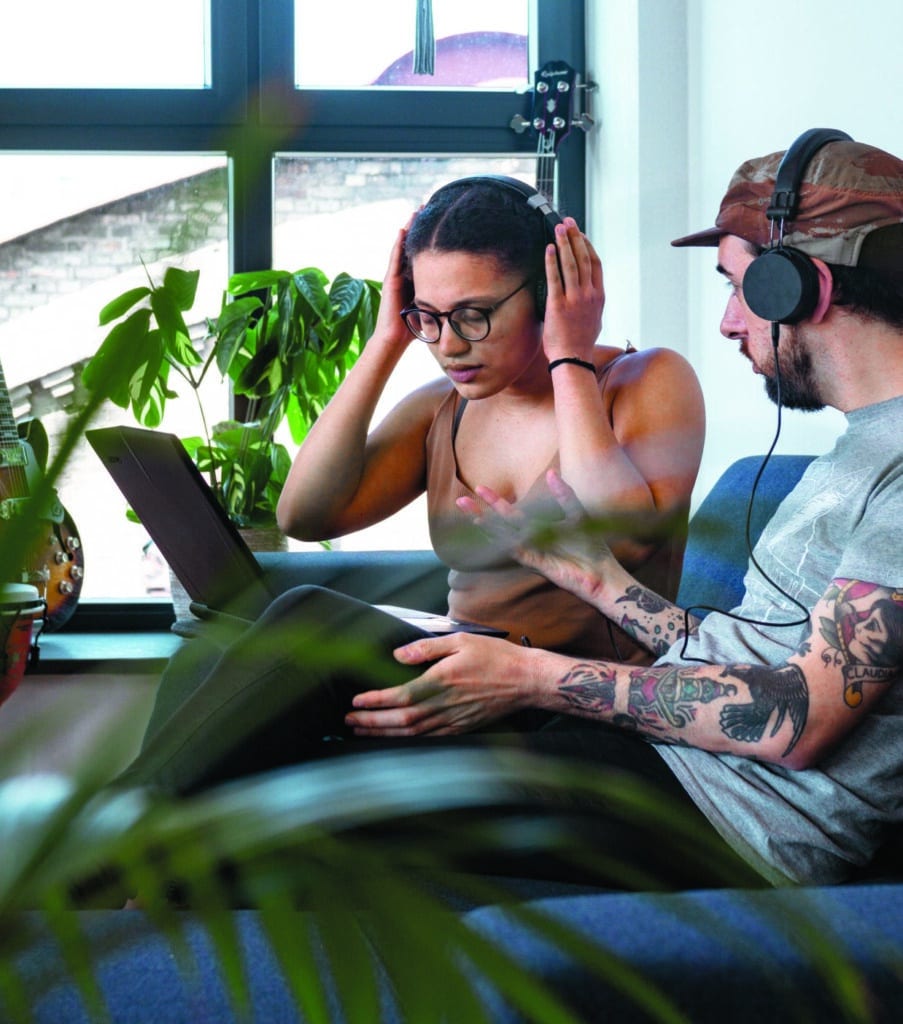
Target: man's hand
470,681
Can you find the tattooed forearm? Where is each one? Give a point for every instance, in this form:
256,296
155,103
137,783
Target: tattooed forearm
778,692
589,687
791,711
864,635
651,620
667,697
664,701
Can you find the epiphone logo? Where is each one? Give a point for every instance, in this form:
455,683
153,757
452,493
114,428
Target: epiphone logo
554,74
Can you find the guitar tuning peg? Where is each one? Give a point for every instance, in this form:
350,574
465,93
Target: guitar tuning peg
519,124
584,122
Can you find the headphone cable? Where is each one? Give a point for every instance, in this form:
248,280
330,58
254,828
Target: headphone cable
775,334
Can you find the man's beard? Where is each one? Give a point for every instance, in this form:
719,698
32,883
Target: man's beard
799,389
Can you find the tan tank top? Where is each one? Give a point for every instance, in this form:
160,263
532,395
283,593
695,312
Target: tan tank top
496,591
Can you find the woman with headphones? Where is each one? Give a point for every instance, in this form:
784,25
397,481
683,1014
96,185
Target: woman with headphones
508,298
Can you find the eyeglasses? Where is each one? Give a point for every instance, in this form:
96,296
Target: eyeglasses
469,322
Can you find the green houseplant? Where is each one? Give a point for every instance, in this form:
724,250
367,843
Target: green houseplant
284,340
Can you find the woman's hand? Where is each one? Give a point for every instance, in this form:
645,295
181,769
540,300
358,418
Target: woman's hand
470,681
396,291
576,295
570,552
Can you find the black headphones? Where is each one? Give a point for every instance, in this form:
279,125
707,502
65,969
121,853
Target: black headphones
781,285
534,199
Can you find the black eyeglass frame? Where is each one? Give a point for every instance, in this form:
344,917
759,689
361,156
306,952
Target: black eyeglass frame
484,311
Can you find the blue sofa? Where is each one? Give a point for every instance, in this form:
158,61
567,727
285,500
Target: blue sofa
729,954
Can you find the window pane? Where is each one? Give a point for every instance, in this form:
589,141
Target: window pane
342,213
106,44
77,236
478,44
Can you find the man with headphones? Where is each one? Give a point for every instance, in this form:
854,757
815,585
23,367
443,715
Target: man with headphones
780,720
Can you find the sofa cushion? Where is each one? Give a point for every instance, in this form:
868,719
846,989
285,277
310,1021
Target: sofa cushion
718,955
717,554
826,955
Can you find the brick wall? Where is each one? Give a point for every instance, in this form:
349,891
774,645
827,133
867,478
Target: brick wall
178,218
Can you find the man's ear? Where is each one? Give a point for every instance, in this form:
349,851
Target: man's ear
825,291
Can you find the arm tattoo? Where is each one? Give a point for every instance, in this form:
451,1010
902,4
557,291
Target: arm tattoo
651,620
773,690
864,635
590,688
666,697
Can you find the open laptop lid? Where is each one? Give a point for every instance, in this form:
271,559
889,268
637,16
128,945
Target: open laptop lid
179,511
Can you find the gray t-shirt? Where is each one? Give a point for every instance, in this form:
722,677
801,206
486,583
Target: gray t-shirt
844,519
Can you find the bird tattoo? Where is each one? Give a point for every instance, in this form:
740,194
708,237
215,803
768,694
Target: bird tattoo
782,691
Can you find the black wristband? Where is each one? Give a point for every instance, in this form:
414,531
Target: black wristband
573,359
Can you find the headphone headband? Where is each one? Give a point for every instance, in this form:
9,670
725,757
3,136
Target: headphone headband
535,200
782,284
785,200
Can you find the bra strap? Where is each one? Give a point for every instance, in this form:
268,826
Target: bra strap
456,422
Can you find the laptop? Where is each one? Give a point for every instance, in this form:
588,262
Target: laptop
202,546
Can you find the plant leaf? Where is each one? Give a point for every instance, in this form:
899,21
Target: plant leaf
311,285
147,388
122,304
255,280
235,329
109,373
263,373
345,296
169,318
182,286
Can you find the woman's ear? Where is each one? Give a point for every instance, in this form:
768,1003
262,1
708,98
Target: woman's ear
825,291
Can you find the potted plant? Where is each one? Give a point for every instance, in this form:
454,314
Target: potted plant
284,340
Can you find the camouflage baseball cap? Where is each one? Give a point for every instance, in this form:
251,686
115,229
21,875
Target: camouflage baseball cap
849,191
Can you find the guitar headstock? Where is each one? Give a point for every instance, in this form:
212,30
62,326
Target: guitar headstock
554,85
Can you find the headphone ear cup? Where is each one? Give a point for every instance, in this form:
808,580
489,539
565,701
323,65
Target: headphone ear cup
781,285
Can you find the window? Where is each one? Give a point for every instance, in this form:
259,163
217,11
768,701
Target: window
222,168
477,44
92,45
85,228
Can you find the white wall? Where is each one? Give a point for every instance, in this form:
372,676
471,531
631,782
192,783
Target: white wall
688,89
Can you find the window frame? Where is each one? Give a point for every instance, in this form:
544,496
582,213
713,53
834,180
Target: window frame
251,122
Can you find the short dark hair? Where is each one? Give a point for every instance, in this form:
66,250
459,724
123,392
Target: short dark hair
482,218
874,287
869,293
